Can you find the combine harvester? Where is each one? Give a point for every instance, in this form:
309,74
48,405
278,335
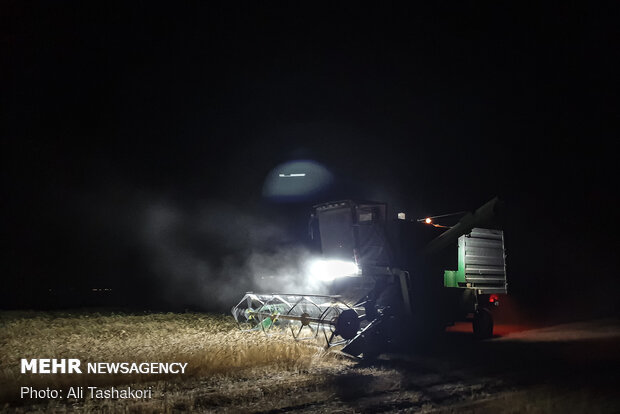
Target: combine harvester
384,276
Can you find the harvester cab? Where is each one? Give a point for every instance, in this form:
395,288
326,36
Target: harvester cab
374,304
353,231
356,253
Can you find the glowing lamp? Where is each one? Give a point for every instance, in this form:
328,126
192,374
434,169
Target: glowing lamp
328,270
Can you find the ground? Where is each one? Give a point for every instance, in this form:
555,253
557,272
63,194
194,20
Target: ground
563,368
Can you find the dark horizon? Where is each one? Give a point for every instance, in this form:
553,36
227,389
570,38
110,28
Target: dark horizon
116,118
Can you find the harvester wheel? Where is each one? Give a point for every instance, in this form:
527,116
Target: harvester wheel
483,324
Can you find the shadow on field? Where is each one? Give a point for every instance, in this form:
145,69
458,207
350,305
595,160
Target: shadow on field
580,373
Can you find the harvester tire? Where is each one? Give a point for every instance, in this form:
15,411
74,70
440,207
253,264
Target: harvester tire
483,324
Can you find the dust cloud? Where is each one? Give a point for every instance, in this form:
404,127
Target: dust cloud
208,257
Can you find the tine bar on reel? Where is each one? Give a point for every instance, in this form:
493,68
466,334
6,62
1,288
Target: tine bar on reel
305,315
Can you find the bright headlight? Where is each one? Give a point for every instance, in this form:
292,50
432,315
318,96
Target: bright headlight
327,270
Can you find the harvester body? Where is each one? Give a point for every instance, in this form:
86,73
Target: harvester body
387,293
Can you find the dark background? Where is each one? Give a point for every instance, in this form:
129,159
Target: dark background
114,114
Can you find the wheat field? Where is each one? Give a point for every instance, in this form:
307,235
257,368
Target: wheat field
216,350
230,371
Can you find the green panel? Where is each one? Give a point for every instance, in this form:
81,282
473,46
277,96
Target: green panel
449,278
460,274
452,278
267,322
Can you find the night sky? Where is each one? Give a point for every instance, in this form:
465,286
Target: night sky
112,111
